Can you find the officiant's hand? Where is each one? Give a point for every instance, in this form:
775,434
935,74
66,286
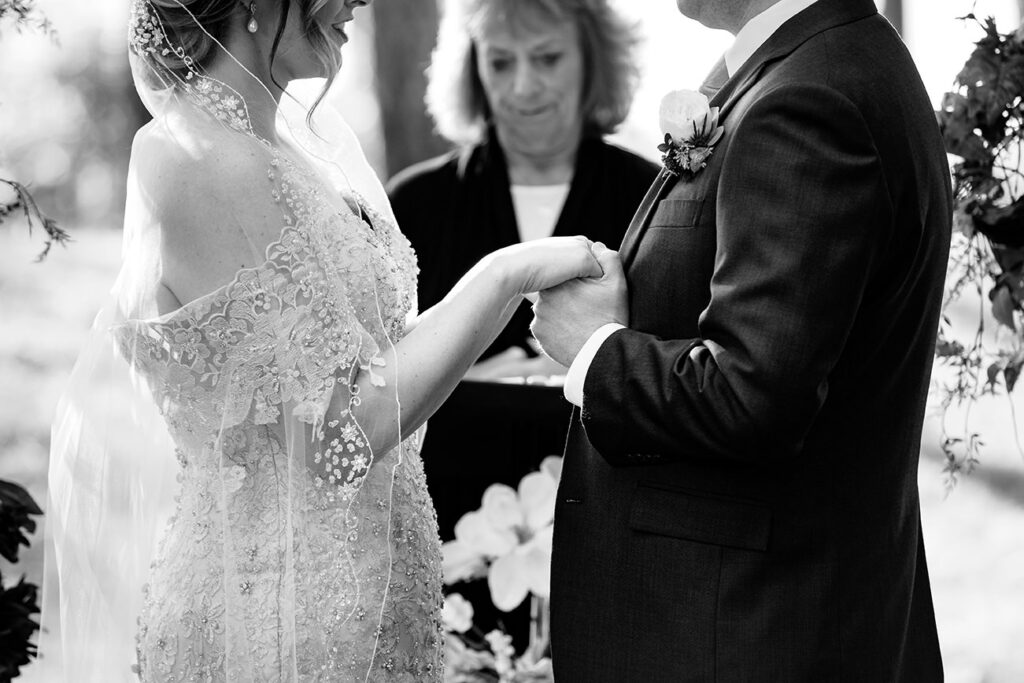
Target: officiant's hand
565,316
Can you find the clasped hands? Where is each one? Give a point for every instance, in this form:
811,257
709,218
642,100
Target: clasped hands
566,315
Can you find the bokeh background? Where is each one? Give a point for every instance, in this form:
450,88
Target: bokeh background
67,116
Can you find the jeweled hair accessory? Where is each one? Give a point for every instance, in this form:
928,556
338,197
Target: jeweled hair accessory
147,37
169,66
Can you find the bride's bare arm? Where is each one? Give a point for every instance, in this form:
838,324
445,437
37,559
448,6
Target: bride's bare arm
212,223
423,368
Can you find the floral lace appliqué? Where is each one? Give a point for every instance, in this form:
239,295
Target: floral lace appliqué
326,565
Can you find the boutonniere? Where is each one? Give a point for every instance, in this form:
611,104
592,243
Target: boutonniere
691,132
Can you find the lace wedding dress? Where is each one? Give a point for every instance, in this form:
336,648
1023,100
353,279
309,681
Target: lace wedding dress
278,335
218,508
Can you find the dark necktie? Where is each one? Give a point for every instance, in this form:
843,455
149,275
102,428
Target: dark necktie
715,80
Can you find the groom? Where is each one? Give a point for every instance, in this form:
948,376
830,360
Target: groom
739,497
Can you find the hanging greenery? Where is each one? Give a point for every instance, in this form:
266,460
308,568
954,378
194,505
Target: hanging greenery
19,601
982,124
22,14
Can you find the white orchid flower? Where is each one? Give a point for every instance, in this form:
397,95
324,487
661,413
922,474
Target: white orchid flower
552,466
500,506
461,562
512,533
537,493
479,531
457,613
527,569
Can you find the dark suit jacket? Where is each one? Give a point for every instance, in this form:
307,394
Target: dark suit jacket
455,209
739,498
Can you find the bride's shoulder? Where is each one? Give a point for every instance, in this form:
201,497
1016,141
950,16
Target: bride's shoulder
170,153
209,196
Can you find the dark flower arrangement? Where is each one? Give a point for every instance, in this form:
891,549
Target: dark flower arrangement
17,602
982,125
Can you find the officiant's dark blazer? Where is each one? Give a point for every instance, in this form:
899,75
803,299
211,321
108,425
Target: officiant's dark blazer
456,209
739,498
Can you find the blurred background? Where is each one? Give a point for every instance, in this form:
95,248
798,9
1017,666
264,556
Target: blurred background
68,112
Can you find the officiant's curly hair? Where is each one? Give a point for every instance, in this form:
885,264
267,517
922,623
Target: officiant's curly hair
455,95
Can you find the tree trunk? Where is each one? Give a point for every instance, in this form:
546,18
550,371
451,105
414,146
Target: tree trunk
894,13
404,32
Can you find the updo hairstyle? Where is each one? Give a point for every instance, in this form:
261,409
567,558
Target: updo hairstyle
183,36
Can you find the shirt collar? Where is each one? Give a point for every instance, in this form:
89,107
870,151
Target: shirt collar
759,29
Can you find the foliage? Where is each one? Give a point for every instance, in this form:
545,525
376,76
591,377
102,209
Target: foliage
18,602
24,15
23,202
982,125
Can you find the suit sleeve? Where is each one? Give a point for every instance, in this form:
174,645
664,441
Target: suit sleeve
803,213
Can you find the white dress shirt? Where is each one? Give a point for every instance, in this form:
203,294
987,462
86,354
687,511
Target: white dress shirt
753,35
758,30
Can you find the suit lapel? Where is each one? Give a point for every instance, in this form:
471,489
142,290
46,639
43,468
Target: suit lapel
821,16
631,240
724,99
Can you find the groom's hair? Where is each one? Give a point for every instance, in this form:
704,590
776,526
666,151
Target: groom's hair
455,96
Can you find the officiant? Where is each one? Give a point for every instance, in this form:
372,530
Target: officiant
525,90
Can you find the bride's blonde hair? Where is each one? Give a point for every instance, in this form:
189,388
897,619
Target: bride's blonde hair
197,26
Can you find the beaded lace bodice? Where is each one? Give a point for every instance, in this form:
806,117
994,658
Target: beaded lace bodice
296,552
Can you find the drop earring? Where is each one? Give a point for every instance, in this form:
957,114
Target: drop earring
252,26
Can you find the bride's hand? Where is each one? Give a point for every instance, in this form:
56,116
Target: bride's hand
545,263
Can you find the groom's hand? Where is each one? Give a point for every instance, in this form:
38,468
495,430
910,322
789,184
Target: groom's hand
565,316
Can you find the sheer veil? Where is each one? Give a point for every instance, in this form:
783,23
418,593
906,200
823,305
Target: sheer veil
233,460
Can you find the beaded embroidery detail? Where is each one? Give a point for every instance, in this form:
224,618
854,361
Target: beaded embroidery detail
228,370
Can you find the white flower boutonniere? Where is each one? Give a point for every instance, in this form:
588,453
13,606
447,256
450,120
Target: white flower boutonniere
691,132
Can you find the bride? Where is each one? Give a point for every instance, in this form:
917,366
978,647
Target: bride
235,486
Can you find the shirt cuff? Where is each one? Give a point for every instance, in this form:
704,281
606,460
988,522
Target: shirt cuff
577,374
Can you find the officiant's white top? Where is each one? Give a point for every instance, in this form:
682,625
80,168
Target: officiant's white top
537,208
753,35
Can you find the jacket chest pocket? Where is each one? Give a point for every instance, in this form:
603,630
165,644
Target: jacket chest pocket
683,213
670,277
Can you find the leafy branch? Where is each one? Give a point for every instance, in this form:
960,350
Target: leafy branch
25,16
23,202
982,123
